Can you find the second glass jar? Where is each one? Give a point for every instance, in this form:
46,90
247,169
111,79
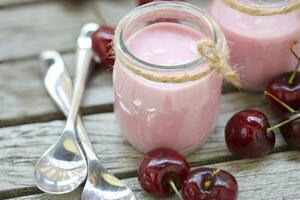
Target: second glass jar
260,45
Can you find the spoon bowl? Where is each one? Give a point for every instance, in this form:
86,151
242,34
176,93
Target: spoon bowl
62,168
101,185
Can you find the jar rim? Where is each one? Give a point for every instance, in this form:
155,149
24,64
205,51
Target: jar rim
119,43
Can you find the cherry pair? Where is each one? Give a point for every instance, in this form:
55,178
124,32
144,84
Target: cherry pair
248,133
163,171
283,95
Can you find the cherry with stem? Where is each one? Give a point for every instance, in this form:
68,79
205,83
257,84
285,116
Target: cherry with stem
286,87
163,172
248,133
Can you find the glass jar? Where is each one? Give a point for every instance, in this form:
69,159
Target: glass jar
260,42
158,40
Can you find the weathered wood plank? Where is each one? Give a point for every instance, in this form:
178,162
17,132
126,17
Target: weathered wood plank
275,177
5,3
22,145
27,30
22,93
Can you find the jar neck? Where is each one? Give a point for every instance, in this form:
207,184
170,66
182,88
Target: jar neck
182,13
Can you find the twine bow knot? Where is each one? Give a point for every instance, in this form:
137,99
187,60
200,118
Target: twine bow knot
218,60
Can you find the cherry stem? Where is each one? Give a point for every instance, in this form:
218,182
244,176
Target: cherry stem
293,75
172,184
291,110
297,116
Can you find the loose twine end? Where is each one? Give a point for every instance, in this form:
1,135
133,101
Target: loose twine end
218,60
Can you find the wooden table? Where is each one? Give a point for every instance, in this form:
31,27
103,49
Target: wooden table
30,122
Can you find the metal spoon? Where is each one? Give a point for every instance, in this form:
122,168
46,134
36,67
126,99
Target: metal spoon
100,183
63,167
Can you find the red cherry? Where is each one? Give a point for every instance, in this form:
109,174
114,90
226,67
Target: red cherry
102,46
158,168
286,88
291,131
246,134
210,184
288,93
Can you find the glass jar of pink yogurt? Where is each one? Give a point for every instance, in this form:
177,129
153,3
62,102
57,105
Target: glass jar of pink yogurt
260,44
160,40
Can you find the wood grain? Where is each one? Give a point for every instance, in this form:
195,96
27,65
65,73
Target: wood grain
275,177
22,145
22,93
27,30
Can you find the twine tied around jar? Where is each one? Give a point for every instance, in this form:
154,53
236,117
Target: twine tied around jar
216,58
255,11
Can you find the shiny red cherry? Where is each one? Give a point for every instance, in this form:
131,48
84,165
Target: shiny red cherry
286,88
158,168
210,184
102,46
288,93
291,131
246,134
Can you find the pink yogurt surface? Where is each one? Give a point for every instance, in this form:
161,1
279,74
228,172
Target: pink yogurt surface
259,44
154,114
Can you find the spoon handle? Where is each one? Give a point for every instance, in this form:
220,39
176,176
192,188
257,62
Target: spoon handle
84,57
59,85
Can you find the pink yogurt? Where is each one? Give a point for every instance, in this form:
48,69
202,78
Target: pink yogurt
259,44
155,114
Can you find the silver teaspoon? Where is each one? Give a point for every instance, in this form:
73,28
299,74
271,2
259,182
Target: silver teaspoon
100,183
63,167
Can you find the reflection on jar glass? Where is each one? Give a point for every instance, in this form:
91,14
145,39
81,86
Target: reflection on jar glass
260,45
160,40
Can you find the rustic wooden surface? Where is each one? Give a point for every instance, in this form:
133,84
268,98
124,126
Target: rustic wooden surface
30,121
